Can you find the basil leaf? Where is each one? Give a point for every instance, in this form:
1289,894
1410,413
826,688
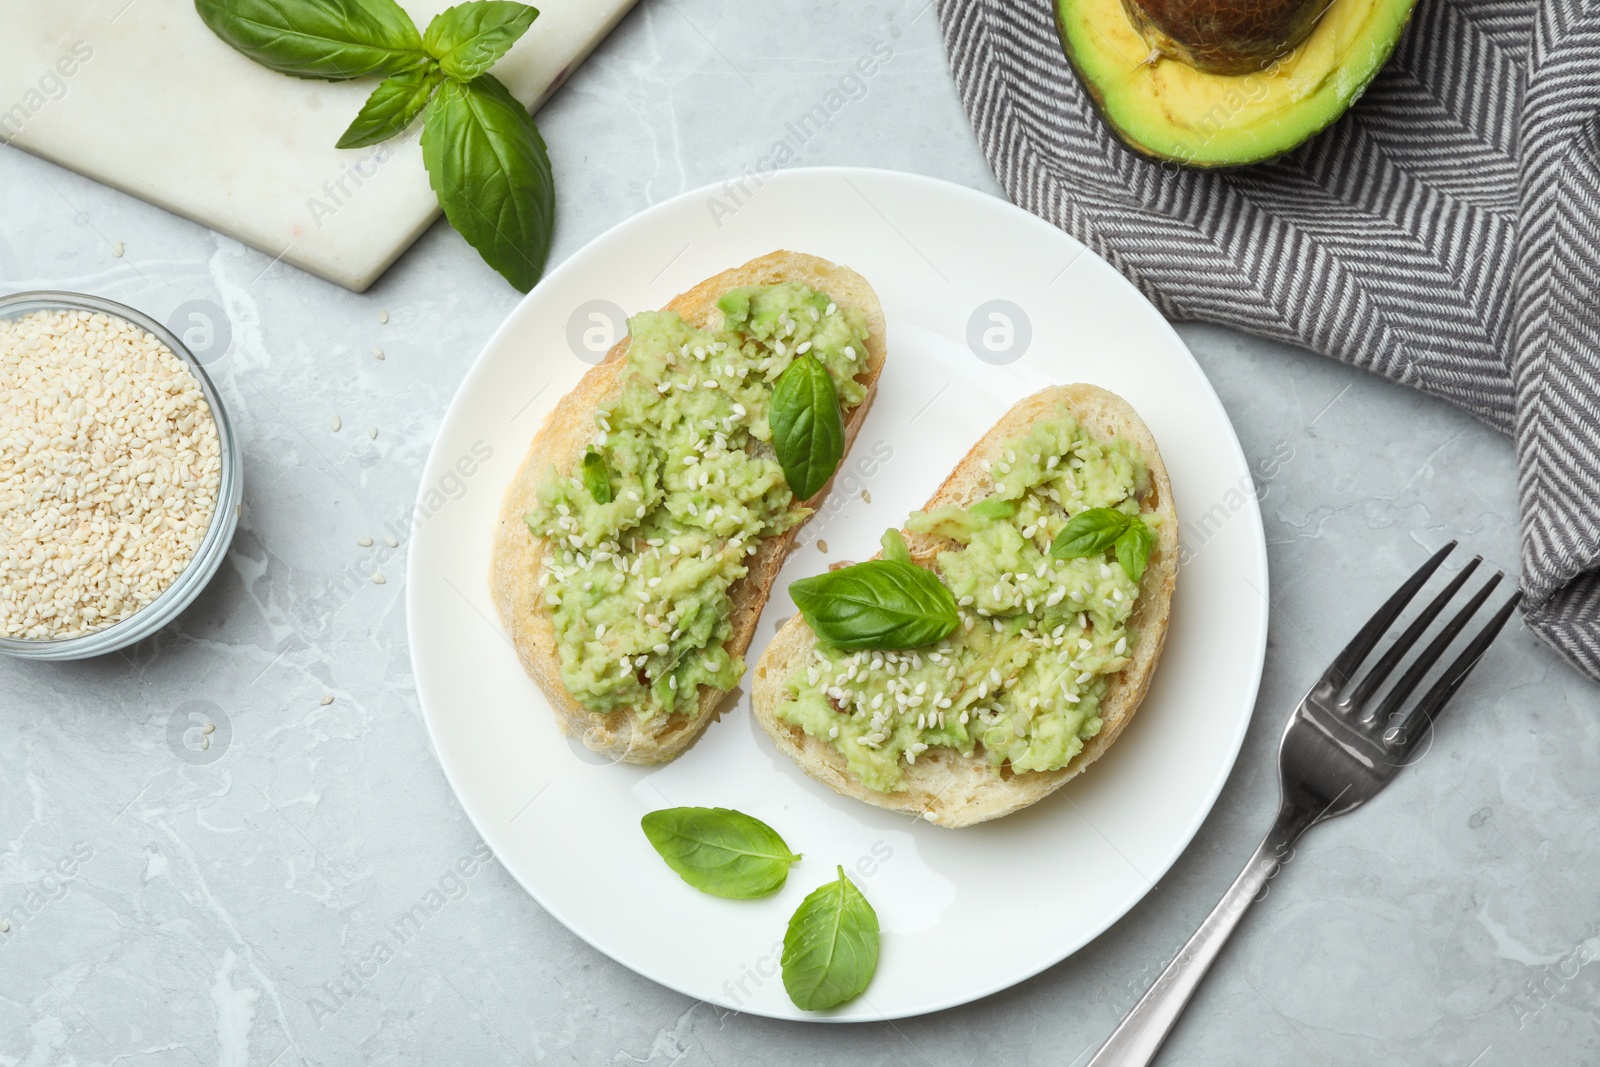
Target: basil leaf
718,851
1133,548
332,39
468,38
879,604
894,546
597,476
1089,533
393,106
830,950
807,429
993,507
488,165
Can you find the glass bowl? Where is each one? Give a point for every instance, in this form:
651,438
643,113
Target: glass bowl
224,520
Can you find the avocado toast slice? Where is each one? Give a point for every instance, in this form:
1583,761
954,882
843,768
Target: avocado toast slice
969,707
550,594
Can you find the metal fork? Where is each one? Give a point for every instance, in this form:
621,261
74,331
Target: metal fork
1341,747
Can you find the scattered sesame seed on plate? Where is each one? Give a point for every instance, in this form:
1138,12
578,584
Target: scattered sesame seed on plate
378,578
383,314
364,542
866,497
327,698
116,249
391,542
335,423
372,432
822,546
377,353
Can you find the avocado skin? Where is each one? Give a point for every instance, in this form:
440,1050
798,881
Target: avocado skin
1269,149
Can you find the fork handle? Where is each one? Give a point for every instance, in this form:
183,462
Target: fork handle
1135,1042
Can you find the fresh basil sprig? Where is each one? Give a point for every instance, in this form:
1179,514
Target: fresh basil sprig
879,604
488,165
830,950
807,429
1092,532
335,40
393,105
486,161
1133,548
596,473
468,38
720,851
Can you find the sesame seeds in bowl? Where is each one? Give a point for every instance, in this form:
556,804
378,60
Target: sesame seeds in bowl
119,489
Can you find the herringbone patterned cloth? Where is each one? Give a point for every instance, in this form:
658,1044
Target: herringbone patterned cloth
1445,233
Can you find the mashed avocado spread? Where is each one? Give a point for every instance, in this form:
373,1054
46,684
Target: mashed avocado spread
1024,673
638,586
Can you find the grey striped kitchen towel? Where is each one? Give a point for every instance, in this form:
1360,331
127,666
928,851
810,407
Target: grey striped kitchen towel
1445,233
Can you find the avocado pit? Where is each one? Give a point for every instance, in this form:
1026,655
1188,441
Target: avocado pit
1224,36
1222,83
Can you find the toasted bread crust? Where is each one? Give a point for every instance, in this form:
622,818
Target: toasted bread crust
944,786
517,558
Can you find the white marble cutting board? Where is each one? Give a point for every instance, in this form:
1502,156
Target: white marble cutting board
141,95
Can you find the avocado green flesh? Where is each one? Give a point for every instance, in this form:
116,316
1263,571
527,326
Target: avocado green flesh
1025,672
1165,108
639,588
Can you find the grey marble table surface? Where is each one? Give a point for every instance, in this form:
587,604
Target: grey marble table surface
165,907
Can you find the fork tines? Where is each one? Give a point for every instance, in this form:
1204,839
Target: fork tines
1385,714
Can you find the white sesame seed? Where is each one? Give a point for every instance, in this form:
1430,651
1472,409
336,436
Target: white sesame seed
378,578
109,466
364,542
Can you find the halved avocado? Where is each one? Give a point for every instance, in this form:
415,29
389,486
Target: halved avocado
1176,79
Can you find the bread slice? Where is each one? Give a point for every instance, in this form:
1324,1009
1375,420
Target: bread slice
560,443
944,786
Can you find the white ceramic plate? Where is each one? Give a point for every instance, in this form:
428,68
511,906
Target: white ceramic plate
964,912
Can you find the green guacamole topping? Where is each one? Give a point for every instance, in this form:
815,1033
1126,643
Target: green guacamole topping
638,587
1024,673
